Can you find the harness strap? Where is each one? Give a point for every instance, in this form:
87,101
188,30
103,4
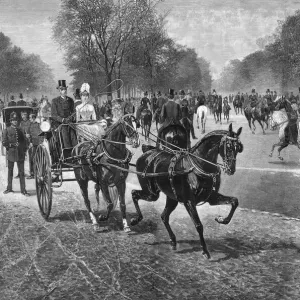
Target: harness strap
171,172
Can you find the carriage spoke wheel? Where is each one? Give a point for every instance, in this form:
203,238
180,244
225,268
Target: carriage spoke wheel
43,181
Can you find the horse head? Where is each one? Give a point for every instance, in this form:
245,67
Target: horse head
229,147
129,125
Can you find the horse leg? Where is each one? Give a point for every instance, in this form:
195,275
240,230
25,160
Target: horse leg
254,127
219,199
280,148
191,209
136,196
97,190
83,184
262,126
121,189
220,114
169,208
109,203
273,147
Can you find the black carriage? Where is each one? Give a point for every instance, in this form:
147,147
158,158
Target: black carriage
52,161
6,112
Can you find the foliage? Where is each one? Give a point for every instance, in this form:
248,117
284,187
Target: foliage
104,40
276,66
20,71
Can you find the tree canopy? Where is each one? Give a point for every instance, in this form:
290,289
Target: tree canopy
276,66
106,40
20,71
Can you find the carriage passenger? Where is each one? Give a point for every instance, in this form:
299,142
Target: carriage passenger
85,111
62,112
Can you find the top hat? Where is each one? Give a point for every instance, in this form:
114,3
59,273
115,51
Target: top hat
145,93
12,98
253,90
13,116
171,92
182,92
77,94
158,93
214,91
21,96
268,91
61,83
200,91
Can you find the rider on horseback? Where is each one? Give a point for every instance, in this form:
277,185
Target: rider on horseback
253,102
170,115
144,105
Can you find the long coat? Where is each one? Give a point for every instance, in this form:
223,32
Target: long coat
170,111
61,109
15,142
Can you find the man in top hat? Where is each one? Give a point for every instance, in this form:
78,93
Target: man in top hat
12,102
170,113
268,96
63,112
77,98
159,104
21,101
253,101
14,141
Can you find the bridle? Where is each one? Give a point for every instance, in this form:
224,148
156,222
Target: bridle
229,158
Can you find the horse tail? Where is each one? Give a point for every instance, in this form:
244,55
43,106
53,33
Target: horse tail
114,195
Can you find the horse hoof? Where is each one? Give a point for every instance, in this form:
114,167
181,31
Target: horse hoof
134,221
271,154
96,227
281,158
127,229
103,218
206,254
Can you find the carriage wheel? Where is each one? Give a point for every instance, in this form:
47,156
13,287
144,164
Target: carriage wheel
43,181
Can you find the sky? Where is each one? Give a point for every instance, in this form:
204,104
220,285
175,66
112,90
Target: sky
219,30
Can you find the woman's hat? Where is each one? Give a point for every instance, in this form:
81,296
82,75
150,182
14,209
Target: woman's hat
85,88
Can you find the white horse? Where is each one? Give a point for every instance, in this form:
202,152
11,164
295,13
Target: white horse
279,119
202,113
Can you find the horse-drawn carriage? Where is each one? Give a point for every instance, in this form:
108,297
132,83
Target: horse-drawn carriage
185,176
4,123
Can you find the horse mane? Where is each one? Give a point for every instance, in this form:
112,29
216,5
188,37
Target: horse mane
208,136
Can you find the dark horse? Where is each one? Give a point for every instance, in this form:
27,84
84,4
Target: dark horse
238,105
96,163
189,178
226,110
217,110
145,120
261,115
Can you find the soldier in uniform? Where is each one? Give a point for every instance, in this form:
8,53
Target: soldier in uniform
21,102
12,102
170,113
63,112
253,101
14,141
34,140
268,96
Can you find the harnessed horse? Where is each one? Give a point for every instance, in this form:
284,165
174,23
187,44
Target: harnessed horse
95,163
193,177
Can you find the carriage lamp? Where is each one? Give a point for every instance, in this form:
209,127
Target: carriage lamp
45,126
